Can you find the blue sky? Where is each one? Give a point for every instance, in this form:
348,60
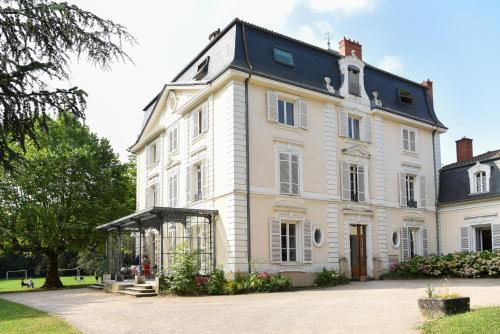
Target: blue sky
454,43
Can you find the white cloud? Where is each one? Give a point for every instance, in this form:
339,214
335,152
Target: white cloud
346,6
391,64
315,36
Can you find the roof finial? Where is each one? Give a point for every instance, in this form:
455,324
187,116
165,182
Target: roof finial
328,37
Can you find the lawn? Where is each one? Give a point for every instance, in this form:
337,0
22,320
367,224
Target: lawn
481,321
15,284
20,319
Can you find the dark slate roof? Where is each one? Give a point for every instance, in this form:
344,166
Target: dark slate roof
454,179
312,64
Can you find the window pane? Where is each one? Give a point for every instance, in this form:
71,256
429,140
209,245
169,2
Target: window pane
293,255
356,128
283,57
351,135
289,114
281,111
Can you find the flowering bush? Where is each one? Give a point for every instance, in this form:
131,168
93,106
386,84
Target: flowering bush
258,282
464,265
330,278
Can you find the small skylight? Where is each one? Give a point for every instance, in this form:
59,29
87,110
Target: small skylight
283,57
202,69
405,96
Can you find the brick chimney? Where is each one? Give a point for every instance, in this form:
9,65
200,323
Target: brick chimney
464,149
428,88
346,47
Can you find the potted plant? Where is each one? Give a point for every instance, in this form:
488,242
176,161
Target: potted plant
442,303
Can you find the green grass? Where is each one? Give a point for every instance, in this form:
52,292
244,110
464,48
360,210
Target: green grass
20,319
13,285
481,321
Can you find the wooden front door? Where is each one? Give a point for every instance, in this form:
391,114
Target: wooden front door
358,251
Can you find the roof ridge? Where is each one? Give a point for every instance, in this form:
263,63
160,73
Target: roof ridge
480,157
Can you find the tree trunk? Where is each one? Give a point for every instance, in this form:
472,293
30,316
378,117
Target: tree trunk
52,280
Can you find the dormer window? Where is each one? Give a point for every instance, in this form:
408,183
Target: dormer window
202,69
283,57
353,80
479,178
405,96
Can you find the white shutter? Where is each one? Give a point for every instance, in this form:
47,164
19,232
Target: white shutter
303,120
307,238
204,178
275,240
402,189
412,141
194,123
284,161
343,124
423,192
495,236
272,106
204,118
405,243
406,145
425,241
465,239
361,184
368,128
294,174
346,190
188,185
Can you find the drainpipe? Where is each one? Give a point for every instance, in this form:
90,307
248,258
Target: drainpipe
247,144
436,196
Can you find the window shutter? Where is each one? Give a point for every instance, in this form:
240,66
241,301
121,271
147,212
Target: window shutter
188,185
343,124
495,236
204,179
346,191
368,128
284,173
275,240
425,241
307,238
272,106
303,120
402,189
464,239
194,123
361,183
423,192
406,145
412,141
405,243
294,171
204,118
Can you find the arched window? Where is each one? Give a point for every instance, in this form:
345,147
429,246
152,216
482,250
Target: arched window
480,180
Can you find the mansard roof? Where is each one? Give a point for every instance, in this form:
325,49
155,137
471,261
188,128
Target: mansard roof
454,183
311,65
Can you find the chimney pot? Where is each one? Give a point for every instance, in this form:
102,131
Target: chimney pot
346,48
464,149
428,88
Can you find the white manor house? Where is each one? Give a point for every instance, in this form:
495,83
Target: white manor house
269,153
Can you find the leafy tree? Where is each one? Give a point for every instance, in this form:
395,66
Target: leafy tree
68,184
38,40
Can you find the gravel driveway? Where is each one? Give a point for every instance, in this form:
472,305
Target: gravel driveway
371,307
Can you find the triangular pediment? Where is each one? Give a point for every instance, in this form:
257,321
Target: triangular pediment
357,151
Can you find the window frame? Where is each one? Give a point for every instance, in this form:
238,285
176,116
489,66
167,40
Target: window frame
317,227
275,58
285,113
202,69
406,97
152,147
353,183
480,182
409,177
287,247
172,129
351,118
353,88
289,153
198,184
415,134
153,182
173,201
473,171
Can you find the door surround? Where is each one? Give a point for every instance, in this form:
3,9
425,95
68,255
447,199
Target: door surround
367,221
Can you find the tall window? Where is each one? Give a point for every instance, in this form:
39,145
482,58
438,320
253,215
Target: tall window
353,80
483,238
353,178
409,142
285,112
152,153
353,128
152,192
410,191
199,121
481,182
173,190
289,173
172,139
198,195
413,242
288,242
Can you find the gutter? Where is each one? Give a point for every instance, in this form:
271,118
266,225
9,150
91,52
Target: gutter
247,144
436,197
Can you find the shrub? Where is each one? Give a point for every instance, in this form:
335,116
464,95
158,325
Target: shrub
216,282
185,279
462,265
330,278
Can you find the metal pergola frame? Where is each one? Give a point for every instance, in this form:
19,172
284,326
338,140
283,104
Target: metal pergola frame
154,218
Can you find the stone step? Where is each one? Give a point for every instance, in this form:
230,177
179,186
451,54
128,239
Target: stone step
97,286
140,289
138,294
145,286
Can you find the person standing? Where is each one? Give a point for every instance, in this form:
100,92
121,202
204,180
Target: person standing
146,264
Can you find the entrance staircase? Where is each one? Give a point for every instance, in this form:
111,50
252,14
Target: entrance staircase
140,290
97,286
